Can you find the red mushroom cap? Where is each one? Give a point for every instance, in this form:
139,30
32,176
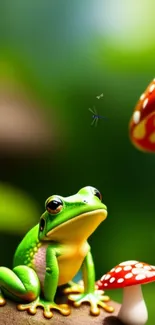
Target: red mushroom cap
142,124
126,274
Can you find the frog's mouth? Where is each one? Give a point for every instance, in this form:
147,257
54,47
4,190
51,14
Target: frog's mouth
78,228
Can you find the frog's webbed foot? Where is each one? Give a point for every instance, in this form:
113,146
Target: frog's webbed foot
46,305
74,287
95,299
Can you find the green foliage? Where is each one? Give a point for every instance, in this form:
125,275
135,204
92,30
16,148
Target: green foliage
18,212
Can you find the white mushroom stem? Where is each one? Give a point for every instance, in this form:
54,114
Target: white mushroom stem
133,310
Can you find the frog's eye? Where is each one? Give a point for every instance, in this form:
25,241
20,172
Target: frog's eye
54,206
98,194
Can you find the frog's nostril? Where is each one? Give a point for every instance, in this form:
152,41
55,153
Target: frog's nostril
85,201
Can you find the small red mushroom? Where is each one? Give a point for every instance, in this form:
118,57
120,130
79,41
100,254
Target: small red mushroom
142,124
130,275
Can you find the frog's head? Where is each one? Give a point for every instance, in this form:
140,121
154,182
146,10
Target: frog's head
72,218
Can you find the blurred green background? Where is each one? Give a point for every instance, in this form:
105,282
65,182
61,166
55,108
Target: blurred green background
55,58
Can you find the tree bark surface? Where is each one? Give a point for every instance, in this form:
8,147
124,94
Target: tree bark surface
9,315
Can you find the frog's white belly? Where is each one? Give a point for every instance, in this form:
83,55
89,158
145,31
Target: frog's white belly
69,262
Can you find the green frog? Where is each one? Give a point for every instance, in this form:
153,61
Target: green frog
52,253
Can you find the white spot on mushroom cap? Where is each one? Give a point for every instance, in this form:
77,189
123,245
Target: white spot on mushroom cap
140,277
118,269
138,270
105,284
150,274
112,280
103,277
98,282
152,87
145,102
128,263
139,265
107,276
142,96
120,280
147,267
136,116
127,268
128,275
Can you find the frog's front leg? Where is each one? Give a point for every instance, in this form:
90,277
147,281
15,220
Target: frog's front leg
94,297
49,290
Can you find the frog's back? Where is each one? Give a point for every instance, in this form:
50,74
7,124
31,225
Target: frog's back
26,247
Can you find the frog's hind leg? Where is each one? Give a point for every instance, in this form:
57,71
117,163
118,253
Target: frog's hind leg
22,285
19,284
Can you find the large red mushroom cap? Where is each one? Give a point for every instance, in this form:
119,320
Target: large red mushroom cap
126,274
142,124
